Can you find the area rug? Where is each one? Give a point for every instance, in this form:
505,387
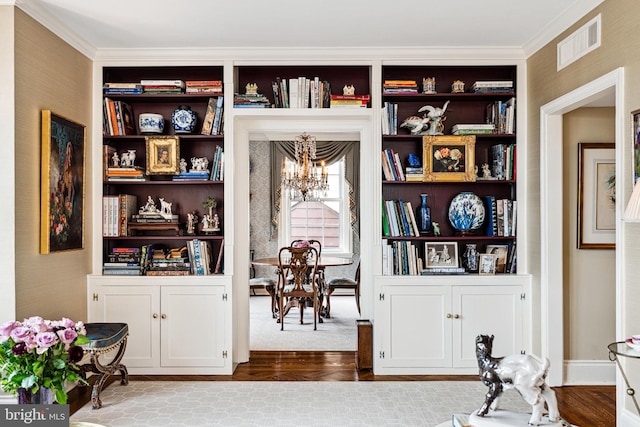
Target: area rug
336,334
265,403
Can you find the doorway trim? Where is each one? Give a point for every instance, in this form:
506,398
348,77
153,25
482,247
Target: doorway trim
551,262
249,126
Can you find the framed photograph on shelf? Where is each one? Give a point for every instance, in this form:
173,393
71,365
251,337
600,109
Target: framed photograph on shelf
487,264
449,158
597,196
441,254
62,186
635,120
163,155
501,252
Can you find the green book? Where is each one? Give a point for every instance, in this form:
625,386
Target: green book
385,221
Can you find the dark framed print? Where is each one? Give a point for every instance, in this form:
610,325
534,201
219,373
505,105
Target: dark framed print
441,254
449,158
501,252
597,195
635,120
163,155
487,264
62,185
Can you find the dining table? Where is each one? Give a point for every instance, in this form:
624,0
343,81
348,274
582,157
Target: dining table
323,262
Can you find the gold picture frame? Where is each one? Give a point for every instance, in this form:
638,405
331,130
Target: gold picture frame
596,195
62,184
449,158
163,155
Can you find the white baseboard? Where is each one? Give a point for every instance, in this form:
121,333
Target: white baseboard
628,419
589,372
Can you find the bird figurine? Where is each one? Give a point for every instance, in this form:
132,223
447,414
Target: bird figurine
435,118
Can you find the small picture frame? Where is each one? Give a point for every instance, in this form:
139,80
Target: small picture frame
487,264
501,252
163,155
449,158
441,254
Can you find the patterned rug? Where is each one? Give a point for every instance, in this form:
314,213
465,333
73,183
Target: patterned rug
263,403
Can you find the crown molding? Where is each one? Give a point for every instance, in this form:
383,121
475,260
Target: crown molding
36,11
578,10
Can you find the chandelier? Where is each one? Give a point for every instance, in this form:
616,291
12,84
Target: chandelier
304,180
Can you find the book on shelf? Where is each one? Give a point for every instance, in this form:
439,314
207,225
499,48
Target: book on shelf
121,272
207,122
220,261
492,218
399,86
216,129
442,271
128,206
502,115
217,168
163,83
203,86
401,258
389,119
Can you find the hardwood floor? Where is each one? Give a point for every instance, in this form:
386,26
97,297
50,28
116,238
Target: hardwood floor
585,406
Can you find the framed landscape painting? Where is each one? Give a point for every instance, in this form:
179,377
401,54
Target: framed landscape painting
449,158
597,196
62,184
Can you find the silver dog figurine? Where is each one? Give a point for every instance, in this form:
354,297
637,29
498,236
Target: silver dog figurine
525,373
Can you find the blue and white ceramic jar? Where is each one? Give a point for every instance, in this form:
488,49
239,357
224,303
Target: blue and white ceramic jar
466,213
183,119
149,123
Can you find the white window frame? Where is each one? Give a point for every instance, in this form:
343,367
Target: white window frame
346,236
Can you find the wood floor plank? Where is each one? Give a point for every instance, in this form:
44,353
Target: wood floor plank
585,406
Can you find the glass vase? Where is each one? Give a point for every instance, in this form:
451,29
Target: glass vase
424,216
44,396
470,257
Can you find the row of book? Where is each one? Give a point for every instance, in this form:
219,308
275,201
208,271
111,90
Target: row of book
301,92
392,168
501,216
195,258
398,219
389,118
503,161
213,117
501,114
163,86
401,258
117,118
117,211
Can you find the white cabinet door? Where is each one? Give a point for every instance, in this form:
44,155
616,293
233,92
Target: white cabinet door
193,326
415,329
138,307
488,310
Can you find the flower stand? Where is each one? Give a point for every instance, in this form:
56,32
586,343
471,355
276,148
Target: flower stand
105,338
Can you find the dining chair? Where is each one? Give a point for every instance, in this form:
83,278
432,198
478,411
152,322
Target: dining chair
343,283
298,285
318,245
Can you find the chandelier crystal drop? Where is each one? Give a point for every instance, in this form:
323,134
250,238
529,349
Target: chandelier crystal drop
304,180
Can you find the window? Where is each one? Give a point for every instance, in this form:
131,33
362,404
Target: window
325,219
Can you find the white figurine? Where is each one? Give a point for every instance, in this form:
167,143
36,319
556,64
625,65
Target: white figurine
116,160
436,117
183,165
165,208
486,171
349,90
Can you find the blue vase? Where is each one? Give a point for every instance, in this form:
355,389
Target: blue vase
424,215
183,119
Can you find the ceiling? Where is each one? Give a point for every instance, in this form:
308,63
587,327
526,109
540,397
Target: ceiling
126,24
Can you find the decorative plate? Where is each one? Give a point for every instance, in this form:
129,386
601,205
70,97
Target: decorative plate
466,212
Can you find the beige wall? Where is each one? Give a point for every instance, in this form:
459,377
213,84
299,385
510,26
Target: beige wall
49,75
589,274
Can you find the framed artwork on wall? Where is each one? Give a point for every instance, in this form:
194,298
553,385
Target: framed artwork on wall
449,158
596,196
163,155
62,185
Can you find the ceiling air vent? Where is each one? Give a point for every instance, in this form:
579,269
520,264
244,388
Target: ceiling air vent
578,44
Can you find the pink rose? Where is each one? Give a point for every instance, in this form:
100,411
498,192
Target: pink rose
20,334
67,336
6,328
45,340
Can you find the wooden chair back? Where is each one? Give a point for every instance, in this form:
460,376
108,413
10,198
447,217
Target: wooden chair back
298,267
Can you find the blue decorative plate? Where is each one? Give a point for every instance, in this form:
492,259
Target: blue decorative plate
466,212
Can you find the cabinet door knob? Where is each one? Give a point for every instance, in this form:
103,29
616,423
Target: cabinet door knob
456,316
155,315
164,316
448,315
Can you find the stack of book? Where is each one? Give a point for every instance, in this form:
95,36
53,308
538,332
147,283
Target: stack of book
414,173
170,263
473,129
122,88
213,87
213,118
503,161
122,261
192,176
492,86
349,101
248,100
162,86
400,86
501,216
437,271
117,118
135,173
